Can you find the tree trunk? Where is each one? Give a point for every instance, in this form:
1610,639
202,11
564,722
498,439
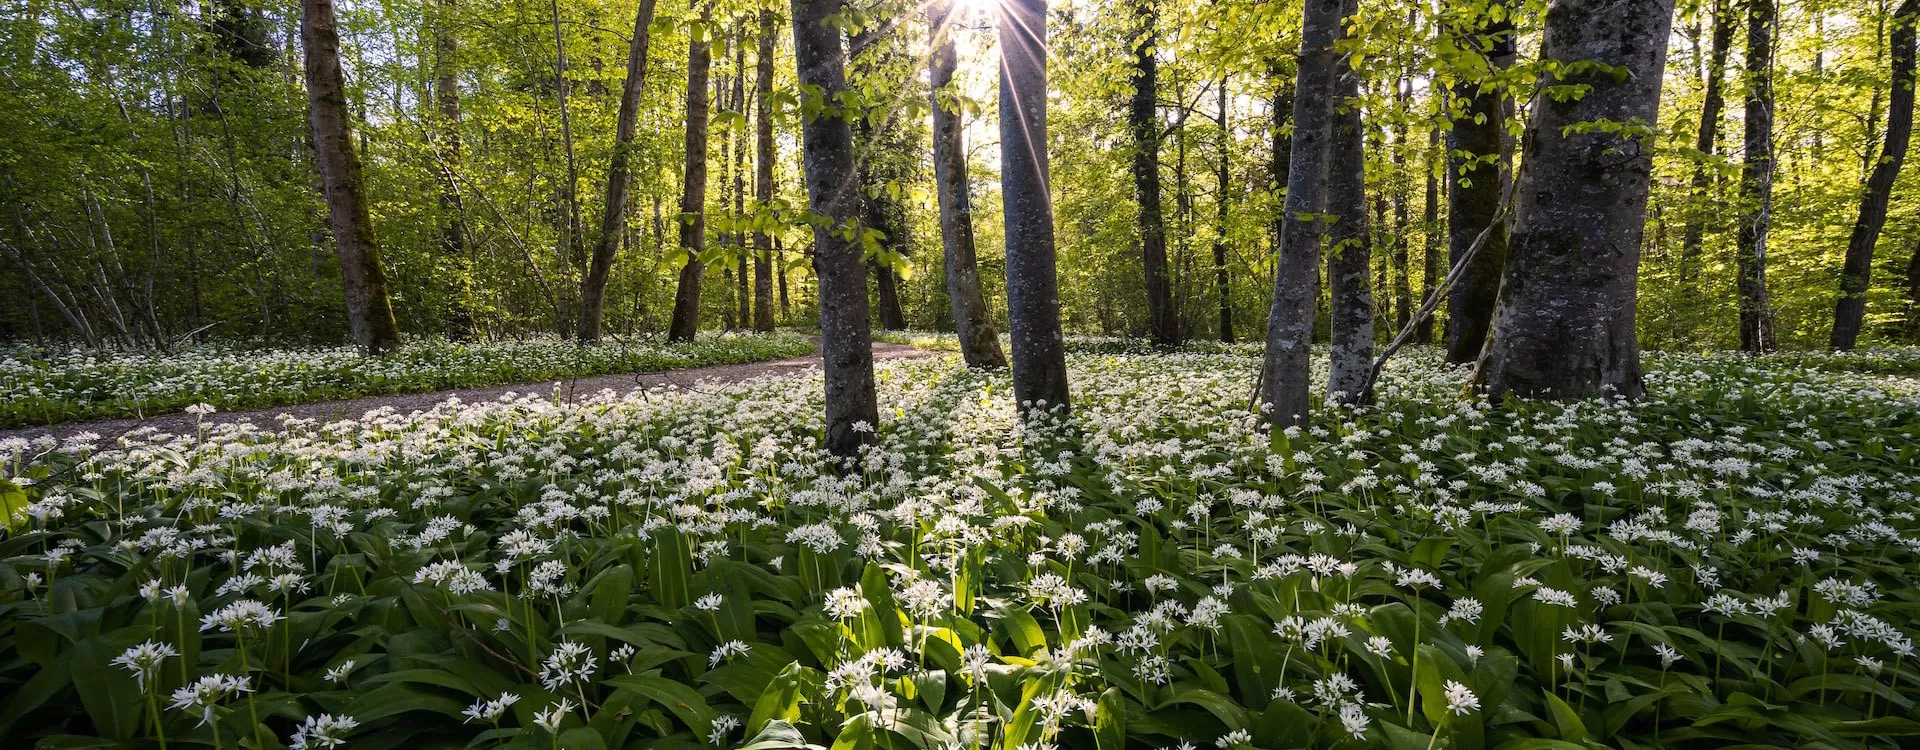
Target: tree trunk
1706,141
593,289
1854,277
452,231
743,289
780,277
1350,243
833,190
1756,182
1564,327
723,101
1402,195
1430,218
693,194
369,312
1280,158
1033,287
1478,154
1223,174
765,156
979,343
1144,122
1296,289
573,237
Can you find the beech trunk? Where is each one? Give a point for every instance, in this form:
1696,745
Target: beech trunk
1858,271
979,342
593,288
369,312
1564,327
833,192
1296,289
693,192
1033,286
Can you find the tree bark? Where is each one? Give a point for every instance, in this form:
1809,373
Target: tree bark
1402,189
1564,327
693,194
1855,276
1033,287
1280,157
369,312
1144,122
452,233
743,289
1296,289
1478,154
765,157
979,343
1430,218
1223,175
1756,182
1706,141
833,190
593,289
1349,242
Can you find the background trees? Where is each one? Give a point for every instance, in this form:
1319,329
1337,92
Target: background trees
160,181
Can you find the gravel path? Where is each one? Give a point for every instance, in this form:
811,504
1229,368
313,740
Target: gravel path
268,418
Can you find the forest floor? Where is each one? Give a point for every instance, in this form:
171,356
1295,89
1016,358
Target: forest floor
568,390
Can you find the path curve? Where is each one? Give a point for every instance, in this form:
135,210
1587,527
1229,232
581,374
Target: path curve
404,403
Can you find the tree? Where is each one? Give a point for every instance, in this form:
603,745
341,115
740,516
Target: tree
1851,309
765,157
1349,243
1564,327
1144,122
979,343
1402,189
1296,289
1478,153
593,288
369,312
1033,287
693,194
1223,174
1756,182
833,193
1430,218
881,146
1707,138
446,130
737,141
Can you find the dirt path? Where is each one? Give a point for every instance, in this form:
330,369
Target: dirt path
268,418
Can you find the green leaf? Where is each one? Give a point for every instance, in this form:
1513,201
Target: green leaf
668,567
778,735
1110,721
582,738
684,702
112,698
1227,711
1565,720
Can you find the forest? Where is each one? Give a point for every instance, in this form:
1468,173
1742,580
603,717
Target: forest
959,374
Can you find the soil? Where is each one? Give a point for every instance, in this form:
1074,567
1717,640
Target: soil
267,419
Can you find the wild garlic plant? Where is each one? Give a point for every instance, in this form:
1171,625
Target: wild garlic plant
1728,559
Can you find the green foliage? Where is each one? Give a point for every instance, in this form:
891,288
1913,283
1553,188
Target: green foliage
1722,562
45,387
